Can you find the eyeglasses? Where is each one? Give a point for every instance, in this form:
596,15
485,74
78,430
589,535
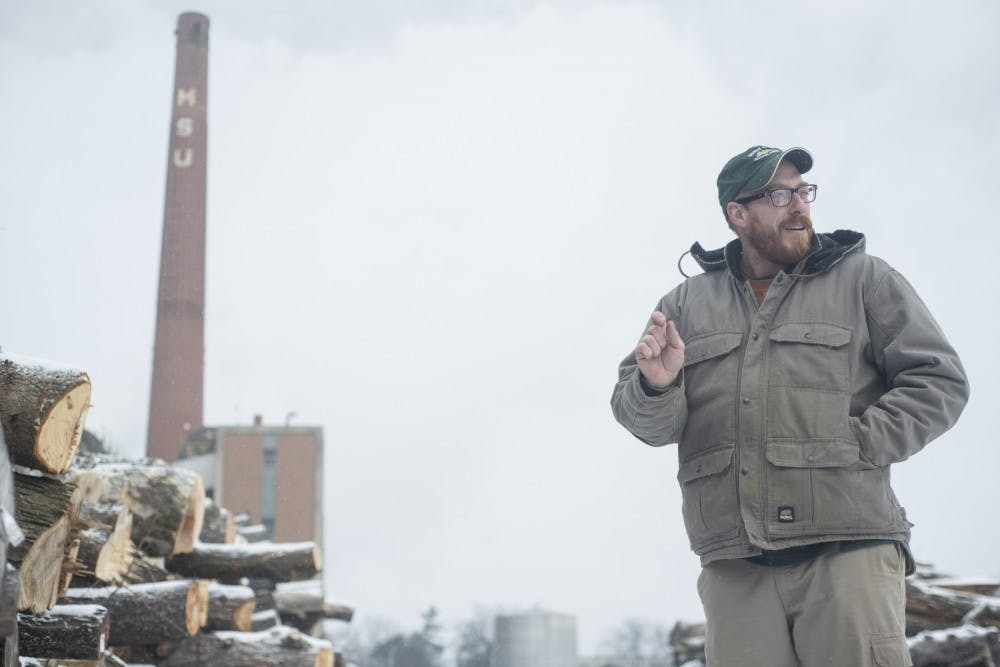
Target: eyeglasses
783,196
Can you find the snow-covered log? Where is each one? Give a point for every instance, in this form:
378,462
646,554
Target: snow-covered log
230,607
77,632
218,526
43,407
287,561
149,613
967,645
264,620
278,646
301,604
167,503
930,608
256,533
45,508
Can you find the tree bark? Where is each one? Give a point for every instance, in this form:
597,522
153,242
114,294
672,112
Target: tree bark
167,503
264,620
218,526
278,646
930,608
43,408
149,613
46,508
229,563
77,632
966,646
230,607
301,604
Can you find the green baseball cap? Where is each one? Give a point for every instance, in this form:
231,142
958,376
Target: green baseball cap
754,168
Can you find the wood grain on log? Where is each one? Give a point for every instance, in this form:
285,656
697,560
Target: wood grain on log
106,549
288,561
277,646
149,613
167,503
43,408
45,507
230,607
78,632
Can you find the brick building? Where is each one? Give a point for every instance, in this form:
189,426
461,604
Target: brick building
273,473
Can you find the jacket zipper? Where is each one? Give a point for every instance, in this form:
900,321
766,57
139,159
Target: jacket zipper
748,320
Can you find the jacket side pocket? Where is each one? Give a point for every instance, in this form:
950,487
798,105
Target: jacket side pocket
708,486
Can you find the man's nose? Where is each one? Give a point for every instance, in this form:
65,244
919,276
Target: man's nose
797,203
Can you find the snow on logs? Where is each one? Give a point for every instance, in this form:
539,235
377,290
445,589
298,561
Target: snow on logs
931,607
285,561
149,613
230,607
74,632
167,503
43,407
278,646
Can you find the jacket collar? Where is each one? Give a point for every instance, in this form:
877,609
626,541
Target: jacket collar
828,250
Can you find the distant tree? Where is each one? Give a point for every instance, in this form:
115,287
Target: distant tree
475,641
417,649
640,643
359,640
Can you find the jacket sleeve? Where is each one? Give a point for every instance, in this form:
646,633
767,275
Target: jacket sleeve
656,419
926,385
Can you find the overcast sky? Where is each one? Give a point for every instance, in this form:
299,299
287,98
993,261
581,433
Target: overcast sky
435,232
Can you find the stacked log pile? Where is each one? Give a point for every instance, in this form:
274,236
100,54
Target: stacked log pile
124,561
950,622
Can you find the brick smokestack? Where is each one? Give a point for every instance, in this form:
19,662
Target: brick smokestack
175,401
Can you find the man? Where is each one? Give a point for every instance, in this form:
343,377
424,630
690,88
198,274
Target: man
792,373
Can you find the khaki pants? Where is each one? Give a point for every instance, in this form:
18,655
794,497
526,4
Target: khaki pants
843,609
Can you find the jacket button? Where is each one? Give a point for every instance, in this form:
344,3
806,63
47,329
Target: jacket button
746,401
807,335
744,470
755,336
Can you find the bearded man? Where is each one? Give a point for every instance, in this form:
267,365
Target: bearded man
792,374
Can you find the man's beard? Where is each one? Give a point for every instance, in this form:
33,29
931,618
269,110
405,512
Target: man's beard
778,246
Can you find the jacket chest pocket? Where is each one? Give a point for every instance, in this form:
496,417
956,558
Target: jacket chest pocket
810,355
711,365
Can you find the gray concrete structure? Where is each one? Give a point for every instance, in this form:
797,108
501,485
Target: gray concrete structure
536,639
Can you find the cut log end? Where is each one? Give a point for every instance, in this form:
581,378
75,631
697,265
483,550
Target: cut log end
196,607
187,534
63,424
324,658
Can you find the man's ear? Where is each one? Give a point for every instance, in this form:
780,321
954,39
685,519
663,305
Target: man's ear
736,214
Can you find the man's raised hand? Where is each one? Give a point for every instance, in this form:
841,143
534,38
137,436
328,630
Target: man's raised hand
660,353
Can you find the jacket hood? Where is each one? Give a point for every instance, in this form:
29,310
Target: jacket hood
828,249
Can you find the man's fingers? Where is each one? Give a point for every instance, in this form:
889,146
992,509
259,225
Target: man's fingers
658,318
673,337
659,333
652,345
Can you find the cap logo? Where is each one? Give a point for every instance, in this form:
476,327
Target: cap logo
760,153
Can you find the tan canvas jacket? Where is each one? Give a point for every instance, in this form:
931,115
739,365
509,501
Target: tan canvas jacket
788,415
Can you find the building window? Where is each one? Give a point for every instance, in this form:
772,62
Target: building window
269,482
